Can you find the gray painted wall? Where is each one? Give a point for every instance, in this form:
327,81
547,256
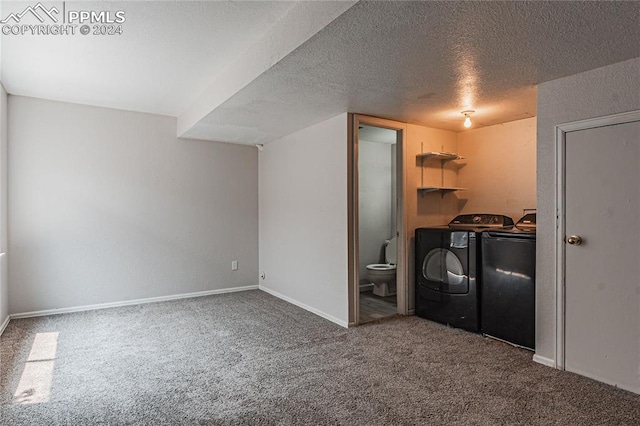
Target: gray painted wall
303,218
376,207
4,281
109,206
600,92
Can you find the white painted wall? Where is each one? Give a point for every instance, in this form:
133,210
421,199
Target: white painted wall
500,170
109,206
303,218
4,282
603,91
375,186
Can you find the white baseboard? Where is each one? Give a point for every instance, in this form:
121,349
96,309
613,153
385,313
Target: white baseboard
331,318
544,361
130,302
4,325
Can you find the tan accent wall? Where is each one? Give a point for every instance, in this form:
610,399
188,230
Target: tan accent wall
500,169
428,209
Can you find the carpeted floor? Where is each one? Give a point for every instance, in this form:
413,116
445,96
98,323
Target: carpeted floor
249,358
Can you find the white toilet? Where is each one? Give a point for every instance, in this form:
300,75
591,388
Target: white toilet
383,275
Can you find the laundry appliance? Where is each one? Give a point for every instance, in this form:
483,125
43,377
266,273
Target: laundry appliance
508,283
447,268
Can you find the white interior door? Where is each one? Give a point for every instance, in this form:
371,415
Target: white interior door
602,271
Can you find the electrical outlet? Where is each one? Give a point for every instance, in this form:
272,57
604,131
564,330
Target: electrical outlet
234,265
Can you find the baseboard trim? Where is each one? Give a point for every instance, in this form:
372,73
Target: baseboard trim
544,361
4,325
331,318
130,302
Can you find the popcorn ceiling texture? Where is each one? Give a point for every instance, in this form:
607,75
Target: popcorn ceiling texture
425,62
251,72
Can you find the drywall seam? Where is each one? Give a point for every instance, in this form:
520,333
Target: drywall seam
130,302
305,307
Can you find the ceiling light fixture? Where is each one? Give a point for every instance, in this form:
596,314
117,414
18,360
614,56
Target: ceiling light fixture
467,117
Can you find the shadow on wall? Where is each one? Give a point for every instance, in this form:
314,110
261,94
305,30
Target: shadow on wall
447,206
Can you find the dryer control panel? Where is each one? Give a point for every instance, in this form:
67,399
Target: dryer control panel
481,220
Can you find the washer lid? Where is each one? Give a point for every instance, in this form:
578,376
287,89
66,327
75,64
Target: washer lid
481,220
527,222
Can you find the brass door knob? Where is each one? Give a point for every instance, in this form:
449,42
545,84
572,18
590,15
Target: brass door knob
574,240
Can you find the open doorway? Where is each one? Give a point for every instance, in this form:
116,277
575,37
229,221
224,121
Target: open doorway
377,266
378,243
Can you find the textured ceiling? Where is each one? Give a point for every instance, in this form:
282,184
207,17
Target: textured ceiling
249,72
425,62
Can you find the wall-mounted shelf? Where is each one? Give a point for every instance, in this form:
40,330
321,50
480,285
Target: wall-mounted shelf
442,189
442,156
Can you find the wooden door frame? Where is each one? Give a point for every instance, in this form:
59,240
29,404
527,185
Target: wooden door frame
402,279
561,130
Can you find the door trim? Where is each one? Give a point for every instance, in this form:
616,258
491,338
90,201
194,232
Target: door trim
560,131
402,280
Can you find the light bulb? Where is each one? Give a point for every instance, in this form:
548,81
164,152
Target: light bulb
467,117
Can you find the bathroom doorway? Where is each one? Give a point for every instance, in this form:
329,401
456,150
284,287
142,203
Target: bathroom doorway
377,268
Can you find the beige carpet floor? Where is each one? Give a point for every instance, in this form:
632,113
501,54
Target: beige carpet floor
249,358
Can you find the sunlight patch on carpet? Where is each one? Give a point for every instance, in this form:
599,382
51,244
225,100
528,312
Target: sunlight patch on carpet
35,383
